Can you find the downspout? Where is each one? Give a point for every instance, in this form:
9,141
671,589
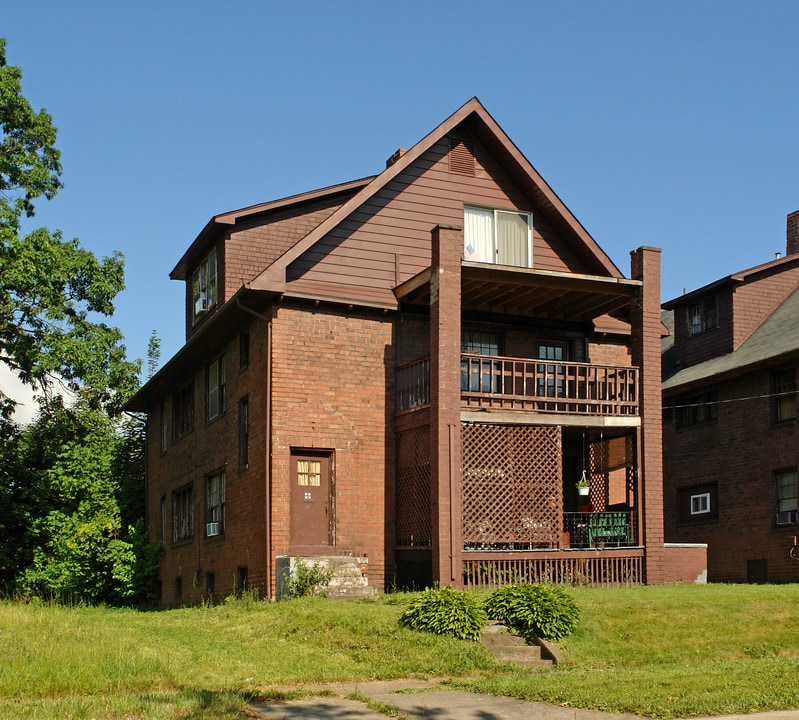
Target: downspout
268,448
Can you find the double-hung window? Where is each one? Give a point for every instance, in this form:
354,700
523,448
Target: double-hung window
182,515
503,237
216,388
215,504
785,395
703,316
204,285
786,489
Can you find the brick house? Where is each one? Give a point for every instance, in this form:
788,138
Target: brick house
411,370
731,443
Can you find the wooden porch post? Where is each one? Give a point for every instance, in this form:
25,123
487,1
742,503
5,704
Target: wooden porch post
646,329
446,482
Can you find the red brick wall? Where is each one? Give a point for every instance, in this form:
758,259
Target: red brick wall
645,349
685,563
740,451
210,447
753,302
333,388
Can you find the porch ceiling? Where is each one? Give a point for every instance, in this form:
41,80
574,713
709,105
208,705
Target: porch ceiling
534,293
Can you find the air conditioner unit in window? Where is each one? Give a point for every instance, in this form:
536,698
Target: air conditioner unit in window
200,306
786,517
212,529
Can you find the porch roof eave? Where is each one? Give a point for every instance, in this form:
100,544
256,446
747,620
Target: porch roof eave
531,292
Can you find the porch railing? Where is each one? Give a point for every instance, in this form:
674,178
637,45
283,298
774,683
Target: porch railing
547,386
528,384
612,529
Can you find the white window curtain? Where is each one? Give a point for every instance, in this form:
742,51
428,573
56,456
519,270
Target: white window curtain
513,238
478,235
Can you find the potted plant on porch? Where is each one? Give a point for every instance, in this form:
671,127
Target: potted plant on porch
583,485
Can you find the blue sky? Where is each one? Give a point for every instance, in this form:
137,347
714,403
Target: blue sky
670,124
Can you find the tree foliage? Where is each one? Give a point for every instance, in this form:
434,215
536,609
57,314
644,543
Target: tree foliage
79,548
72,482
52,291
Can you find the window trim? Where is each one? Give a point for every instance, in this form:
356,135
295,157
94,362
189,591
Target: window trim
786,508
471,255
700,504
183,514
216,383
204,283
784,389
702,316
215,502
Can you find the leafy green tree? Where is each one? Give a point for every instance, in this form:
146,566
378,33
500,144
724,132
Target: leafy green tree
81,550
51,290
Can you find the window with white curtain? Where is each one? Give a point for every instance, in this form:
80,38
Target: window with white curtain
502,237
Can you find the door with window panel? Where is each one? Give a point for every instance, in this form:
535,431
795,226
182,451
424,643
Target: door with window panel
312,521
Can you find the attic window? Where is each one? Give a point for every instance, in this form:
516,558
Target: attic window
461,157
502,237
204,286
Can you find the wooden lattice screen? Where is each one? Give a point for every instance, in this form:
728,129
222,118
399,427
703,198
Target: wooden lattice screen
413,487
612,469
512,486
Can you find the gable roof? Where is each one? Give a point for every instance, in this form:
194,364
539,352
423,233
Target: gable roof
228,219
737,278
776,338
274,277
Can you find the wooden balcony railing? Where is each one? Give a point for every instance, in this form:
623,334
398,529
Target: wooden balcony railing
528,384
546,386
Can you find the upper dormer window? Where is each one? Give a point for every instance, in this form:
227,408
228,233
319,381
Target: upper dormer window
702,316
503,237
204,285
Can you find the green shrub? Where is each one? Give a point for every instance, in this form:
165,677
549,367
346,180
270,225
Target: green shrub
534,610
445,611
308,579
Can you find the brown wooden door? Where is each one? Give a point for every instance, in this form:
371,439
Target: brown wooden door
311,507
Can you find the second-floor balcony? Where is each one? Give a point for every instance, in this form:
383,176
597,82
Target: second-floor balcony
528,384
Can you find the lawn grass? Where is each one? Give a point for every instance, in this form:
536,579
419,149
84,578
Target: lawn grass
674,651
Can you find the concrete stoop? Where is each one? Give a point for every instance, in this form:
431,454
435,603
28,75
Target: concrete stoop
348,581
510,648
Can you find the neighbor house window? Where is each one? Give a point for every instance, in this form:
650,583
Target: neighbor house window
785,395
503,237
698,409
244,432
700,504
182,515
216,388
702,316
204,285
786,489
183,411
215,504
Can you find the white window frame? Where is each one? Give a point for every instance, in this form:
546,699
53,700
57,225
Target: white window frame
204,286
700,504
485,220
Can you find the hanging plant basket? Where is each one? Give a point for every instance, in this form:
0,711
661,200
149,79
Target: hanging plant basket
583,486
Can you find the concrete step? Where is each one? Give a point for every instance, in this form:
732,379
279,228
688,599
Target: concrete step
510,648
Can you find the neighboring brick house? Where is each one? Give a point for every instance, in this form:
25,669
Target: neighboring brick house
413,370
731,443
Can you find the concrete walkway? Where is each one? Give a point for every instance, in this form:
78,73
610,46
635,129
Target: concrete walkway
418,699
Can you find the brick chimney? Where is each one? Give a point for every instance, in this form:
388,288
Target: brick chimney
792,233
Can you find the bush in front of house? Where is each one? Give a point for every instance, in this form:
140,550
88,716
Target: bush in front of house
445,611
534,611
